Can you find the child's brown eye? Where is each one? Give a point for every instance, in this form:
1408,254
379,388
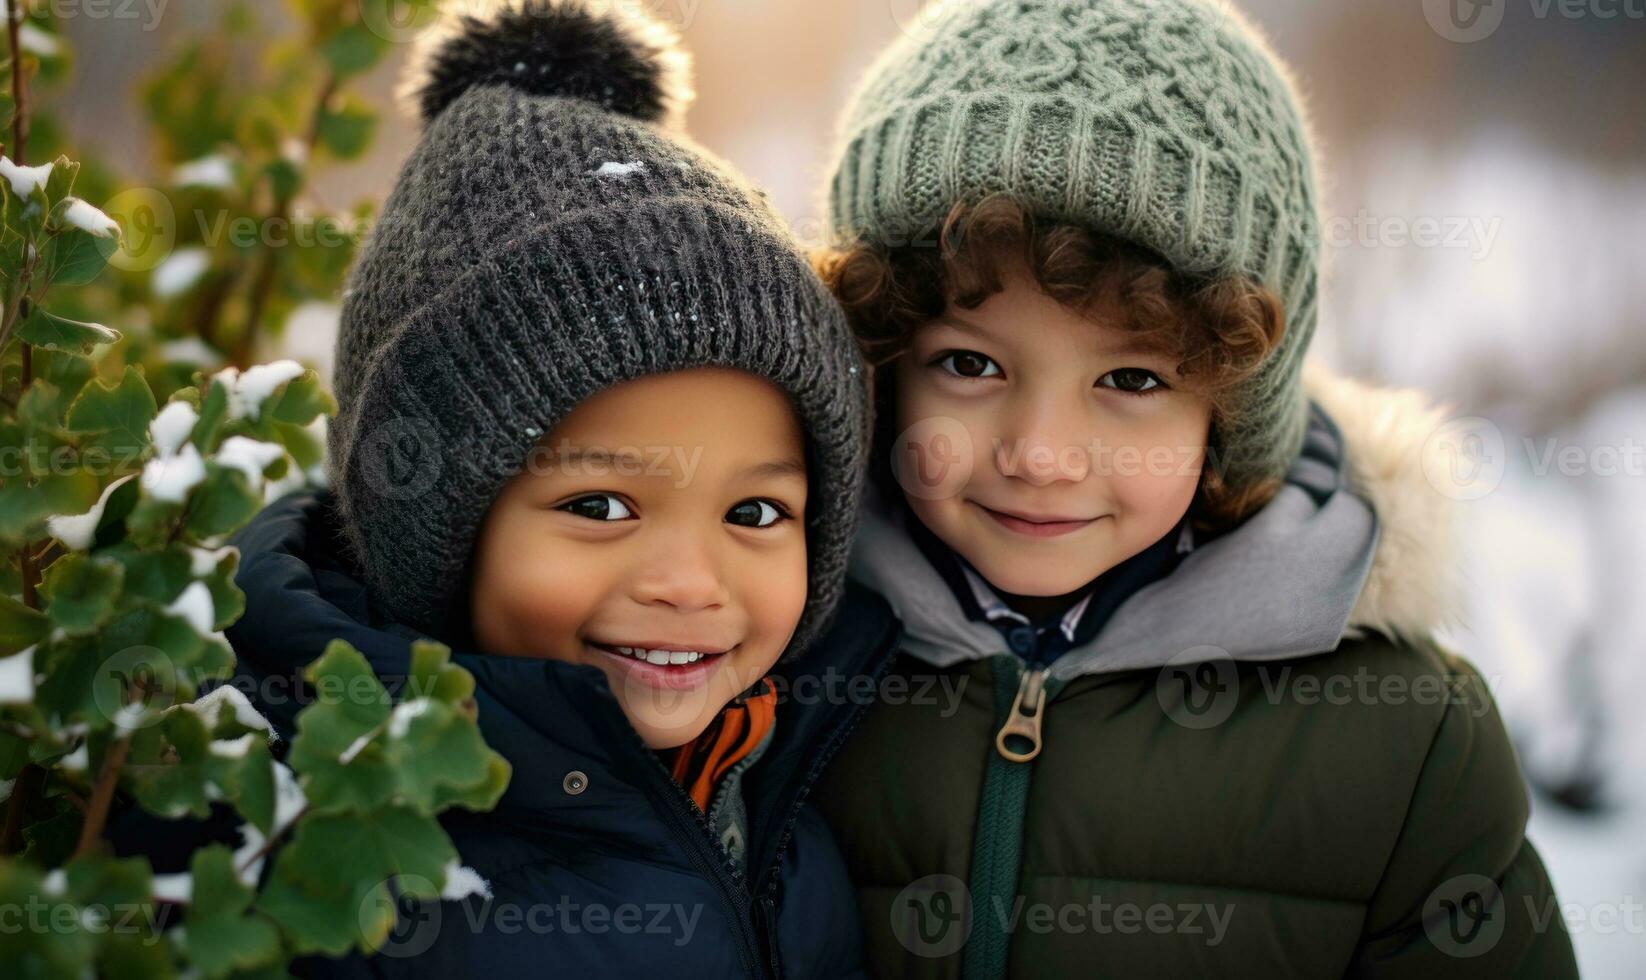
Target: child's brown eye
969,364
598,507
1132,381
755,513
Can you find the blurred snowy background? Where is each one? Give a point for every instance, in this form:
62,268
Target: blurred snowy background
1487,206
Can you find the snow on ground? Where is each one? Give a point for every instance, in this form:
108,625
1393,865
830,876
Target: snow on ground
1526,306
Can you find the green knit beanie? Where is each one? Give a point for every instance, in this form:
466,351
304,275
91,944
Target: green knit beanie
1168,123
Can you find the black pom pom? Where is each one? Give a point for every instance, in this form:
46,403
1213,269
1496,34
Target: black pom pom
622,61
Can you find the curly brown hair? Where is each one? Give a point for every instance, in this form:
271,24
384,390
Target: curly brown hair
1218,330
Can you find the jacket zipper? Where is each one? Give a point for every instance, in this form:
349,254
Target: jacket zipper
1021,697
691,828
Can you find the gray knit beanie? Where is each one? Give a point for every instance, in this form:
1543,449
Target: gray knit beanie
1168,123
548,238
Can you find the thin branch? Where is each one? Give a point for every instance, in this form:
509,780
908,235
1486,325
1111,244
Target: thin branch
23,792
102,796
19,87
267,261
268,845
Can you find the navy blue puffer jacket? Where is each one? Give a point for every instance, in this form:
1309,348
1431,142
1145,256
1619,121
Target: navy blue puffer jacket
611,872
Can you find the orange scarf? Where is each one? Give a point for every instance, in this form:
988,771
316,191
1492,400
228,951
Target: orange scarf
699,764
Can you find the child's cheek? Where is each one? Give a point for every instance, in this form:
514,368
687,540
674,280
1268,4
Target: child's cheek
940,443
528,605
1151,468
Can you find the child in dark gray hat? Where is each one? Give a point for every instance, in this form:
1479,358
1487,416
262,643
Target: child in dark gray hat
602,430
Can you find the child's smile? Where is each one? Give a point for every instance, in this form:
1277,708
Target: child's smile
682,583
664,666
1035,525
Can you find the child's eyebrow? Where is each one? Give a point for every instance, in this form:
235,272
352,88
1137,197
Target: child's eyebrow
964,325
790,467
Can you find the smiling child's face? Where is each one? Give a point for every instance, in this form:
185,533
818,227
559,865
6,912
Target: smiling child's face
657,533
1036,446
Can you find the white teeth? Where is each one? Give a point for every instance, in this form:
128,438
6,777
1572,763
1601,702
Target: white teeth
661,657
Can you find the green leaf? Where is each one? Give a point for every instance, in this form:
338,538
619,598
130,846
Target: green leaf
221,935
156,575
25,502
75,257
354,49
20,626
171,777
213,408
222,503
301,400
40,952
304,445
340,771
285,177
426,753
346,129
68,372
81,591
115,419
64,174
329,886
48,330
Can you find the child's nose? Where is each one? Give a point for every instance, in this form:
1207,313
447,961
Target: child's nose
1043,446
679,573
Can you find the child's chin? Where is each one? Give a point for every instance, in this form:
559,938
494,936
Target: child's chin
1018,577
666,735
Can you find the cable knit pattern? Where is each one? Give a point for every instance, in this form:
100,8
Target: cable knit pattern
1166,122
536,249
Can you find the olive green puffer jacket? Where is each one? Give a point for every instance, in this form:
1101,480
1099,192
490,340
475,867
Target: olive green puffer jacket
1263,766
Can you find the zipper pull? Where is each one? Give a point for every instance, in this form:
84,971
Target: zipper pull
1023,721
